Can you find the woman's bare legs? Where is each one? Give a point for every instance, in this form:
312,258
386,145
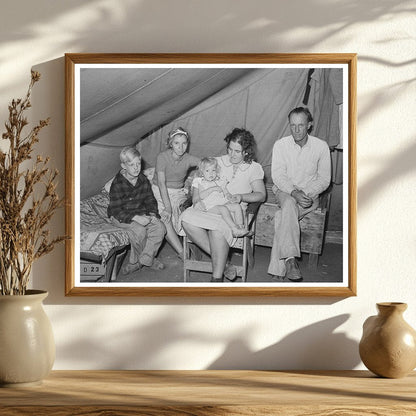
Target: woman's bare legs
198,235
236,229
213,243
219,253
173,238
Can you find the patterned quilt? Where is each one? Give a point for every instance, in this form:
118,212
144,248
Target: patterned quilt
98,234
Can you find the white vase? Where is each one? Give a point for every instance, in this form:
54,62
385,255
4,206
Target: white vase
27,346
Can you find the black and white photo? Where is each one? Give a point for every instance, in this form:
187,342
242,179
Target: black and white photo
211,175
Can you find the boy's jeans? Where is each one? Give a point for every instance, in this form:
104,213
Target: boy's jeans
144,240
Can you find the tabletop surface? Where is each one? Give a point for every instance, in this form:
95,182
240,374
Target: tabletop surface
225,392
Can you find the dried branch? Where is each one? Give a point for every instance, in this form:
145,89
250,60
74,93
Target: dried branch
23,217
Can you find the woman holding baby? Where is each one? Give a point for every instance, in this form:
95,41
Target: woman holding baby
244,183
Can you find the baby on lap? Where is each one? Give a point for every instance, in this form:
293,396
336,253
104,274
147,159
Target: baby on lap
210,194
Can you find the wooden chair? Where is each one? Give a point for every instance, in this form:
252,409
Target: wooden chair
312,227
245,244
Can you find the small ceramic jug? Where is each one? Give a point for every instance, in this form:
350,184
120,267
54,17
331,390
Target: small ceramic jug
388,345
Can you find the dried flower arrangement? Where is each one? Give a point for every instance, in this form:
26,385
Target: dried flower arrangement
28,200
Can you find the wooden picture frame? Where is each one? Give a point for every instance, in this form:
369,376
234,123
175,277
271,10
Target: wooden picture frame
77,108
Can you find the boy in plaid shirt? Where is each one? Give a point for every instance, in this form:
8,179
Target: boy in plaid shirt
133,207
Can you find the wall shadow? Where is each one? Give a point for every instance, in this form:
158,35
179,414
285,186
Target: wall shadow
391,170
139,347
265,20
316,346
102,26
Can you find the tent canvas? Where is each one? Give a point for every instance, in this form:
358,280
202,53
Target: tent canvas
139,106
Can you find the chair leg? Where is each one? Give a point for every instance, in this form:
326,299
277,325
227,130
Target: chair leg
313,261
110,272
117,264
185,259
246,244
250,252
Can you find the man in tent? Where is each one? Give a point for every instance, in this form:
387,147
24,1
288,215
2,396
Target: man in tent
301,170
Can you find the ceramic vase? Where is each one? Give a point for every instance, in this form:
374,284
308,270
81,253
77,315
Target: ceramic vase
388,345
27,347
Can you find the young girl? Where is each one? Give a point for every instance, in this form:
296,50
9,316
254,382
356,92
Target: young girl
172,168
210,194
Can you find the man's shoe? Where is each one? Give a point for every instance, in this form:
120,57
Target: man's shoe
292,270
217,280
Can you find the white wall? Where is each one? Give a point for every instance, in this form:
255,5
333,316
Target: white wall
199,333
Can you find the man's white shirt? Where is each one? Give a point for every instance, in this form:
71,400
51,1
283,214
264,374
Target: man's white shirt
306,168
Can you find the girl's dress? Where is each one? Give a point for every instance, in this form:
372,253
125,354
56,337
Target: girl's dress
238,182
214,198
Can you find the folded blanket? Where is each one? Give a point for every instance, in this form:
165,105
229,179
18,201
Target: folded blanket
98,235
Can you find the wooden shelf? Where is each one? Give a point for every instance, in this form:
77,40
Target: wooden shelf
253,393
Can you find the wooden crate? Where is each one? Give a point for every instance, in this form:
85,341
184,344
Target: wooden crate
312,228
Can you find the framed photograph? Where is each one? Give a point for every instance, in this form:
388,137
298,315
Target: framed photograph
211,174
